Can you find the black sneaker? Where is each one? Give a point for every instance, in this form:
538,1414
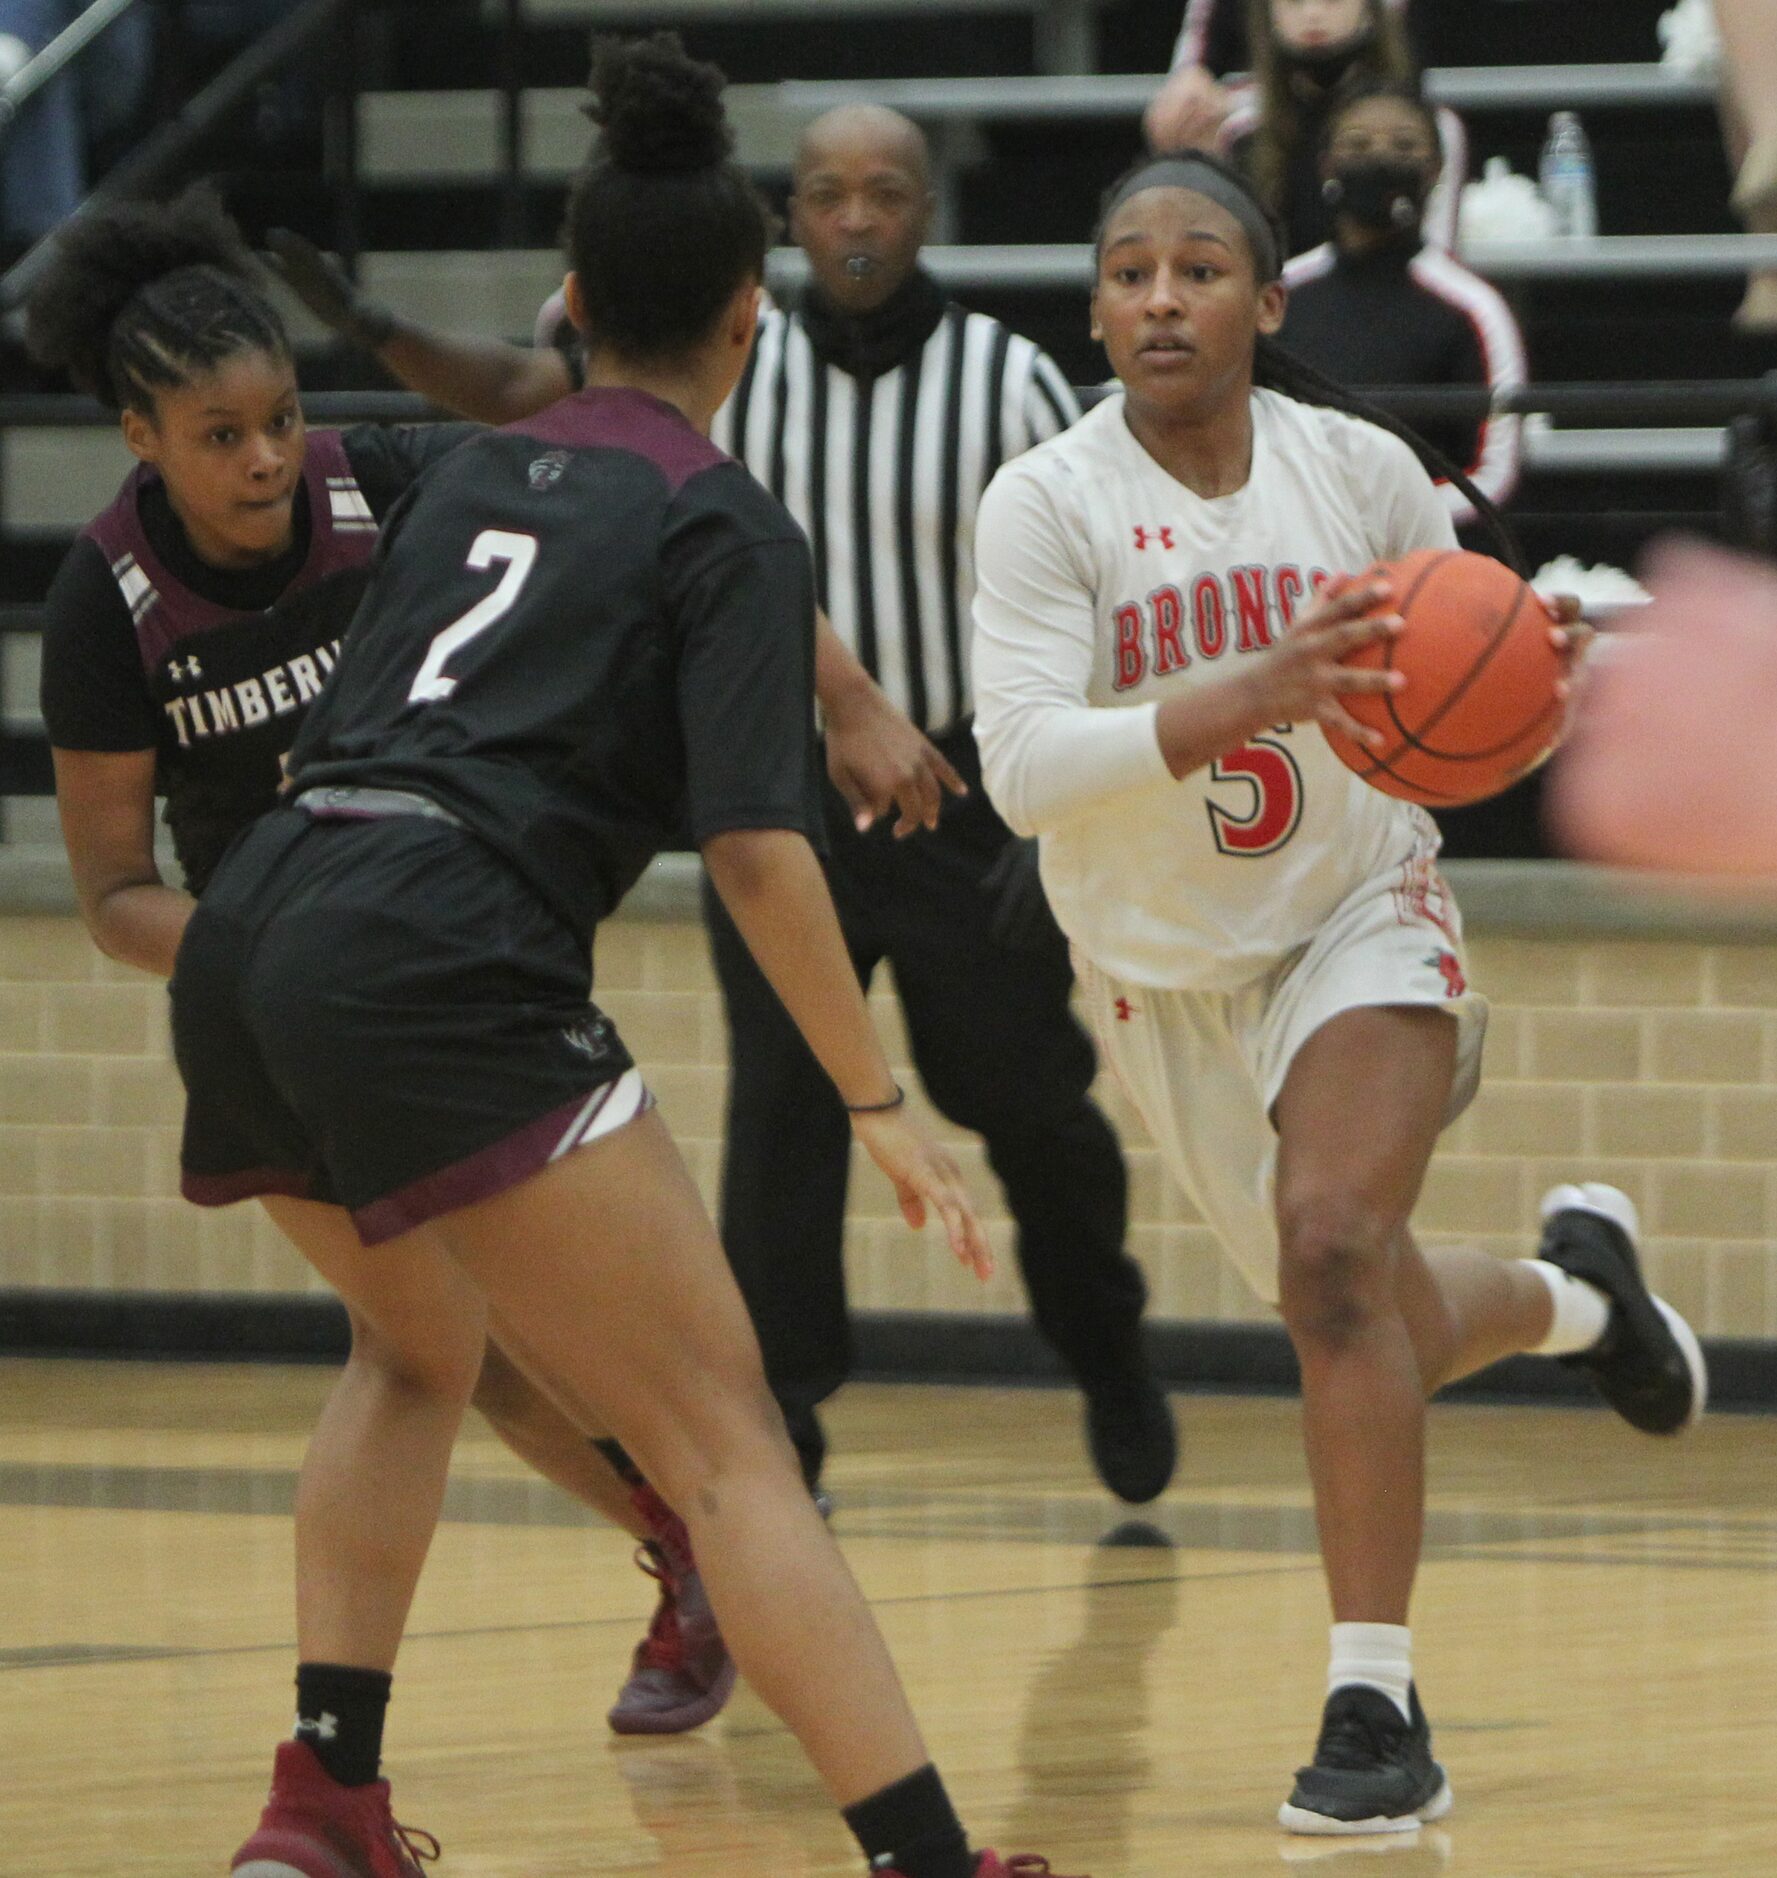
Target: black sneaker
1131,1435
1372,1771
1649,1367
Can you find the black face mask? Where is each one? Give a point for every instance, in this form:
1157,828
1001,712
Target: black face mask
1388,197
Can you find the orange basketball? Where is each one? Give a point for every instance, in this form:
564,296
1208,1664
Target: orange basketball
1479,705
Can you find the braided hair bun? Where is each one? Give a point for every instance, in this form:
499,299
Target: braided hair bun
657,110
663,227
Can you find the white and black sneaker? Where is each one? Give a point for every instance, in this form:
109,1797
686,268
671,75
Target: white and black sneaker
1648,1366
1372,1769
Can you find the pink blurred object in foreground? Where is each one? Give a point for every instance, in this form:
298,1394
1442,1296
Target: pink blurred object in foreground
1672,761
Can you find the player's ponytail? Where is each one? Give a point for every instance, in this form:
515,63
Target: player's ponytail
144,297
1278,369
663,225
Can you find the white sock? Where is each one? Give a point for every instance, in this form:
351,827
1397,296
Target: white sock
1582,1311
1378,1655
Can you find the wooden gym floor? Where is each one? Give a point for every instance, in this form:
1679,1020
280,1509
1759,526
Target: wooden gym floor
1597,1622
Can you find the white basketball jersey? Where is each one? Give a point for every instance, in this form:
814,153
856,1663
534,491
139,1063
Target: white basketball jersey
1106,586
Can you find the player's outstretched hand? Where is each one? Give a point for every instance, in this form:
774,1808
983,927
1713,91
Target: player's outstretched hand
926,1178
1672,764
1302,678
324,287
882,764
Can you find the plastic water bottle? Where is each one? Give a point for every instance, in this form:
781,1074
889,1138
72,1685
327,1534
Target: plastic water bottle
1568,183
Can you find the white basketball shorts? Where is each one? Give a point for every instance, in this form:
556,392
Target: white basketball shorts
1205,1068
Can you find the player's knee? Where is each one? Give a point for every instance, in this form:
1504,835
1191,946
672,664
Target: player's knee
1334,1268
725,1426
445,1368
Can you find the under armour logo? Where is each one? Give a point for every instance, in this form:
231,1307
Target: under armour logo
1162,535
1455,984
326,1729
183,671
1125,1010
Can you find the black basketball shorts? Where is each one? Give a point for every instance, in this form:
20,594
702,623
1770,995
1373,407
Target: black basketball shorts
383,1015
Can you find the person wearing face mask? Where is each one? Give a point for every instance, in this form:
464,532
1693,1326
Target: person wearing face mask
1304,54
1378,304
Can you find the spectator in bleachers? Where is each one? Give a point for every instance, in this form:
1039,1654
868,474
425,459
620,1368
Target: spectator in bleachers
1749,112
1304,53
43,161
1188,111
1377,304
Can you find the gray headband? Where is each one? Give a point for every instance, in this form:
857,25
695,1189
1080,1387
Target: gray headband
1192,172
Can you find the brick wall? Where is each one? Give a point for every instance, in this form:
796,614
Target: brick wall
1651,1063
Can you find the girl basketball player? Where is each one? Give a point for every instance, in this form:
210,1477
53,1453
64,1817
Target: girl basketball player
584,632
1273,963
188,631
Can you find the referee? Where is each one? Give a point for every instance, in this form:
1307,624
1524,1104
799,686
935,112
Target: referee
878,411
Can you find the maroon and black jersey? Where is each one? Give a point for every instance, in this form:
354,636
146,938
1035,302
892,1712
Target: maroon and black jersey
586,634
146,646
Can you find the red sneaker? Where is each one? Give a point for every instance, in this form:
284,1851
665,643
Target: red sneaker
682,1673
312,1827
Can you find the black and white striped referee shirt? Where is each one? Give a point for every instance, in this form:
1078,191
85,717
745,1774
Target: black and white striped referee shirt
885,475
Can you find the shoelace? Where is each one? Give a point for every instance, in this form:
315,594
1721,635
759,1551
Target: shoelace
1350,1740
664,1645
416,1845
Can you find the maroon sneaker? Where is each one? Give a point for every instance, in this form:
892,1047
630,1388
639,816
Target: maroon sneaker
312,1827
682,1673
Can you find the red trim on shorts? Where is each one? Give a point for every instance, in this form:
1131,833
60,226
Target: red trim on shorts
251,1183
515,1158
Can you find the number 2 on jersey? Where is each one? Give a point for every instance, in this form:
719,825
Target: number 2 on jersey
519,553
1266,768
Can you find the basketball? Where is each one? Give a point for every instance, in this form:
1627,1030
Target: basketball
1479,707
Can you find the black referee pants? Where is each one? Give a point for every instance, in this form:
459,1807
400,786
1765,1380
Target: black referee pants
999,1052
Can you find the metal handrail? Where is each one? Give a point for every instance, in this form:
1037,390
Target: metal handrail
1675,403
61,52
1031,265
167,145
1127,94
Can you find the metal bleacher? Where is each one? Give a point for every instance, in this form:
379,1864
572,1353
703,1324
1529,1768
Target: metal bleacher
1064,32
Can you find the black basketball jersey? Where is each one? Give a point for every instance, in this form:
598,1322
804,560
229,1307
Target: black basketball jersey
147,647
586,634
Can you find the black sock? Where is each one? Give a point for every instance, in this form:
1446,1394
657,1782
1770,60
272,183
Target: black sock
618,1456
912,1828
339,1714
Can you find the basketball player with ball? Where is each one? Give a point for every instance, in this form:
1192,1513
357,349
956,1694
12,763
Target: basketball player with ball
1181,667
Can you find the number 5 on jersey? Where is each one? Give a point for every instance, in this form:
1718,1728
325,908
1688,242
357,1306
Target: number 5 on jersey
519,553
1269,771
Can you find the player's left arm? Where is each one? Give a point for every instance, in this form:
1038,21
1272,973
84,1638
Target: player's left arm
1412,515
744,610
